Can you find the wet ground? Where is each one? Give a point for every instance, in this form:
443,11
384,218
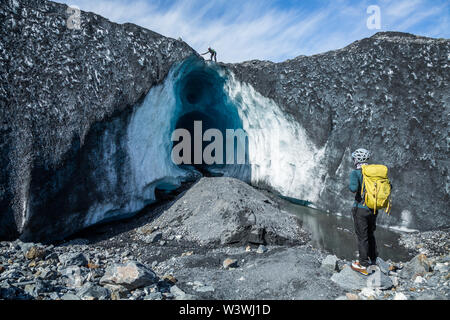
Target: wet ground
335,234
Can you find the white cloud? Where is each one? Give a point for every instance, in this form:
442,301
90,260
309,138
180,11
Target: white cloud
244,30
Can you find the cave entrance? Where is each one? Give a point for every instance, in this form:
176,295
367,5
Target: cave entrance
187,122
200,97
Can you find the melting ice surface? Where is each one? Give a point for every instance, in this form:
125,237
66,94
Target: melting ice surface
279,153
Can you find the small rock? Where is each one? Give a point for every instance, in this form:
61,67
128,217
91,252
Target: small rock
92,265
370,293
248,249
35,252
74,277
48,274
34,289
54,296
204,289
176,291
73,259
441,267
261,249
189,253
117,292
93,292
2,268
229,263
153,237
24,246
70,296
52,256
256,235
400,296
419,279
352,296
131,275
330,263
168,296
395,281
154,296
170,278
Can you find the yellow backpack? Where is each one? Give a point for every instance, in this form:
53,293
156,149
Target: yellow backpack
376,187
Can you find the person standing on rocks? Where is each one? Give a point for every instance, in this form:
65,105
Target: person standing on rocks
213,54
364,219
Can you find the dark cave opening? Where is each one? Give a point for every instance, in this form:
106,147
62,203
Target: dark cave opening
200,96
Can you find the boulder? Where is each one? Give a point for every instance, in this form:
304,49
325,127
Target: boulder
418,266
352,280
131,275
349,279
330,263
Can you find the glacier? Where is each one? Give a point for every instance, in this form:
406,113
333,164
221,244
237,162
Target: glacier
279,154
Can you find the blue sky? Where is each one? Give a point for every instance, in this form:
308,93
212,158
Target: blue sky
274,30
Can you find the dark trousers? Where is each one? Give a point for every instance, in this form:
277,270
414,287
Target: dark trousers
365,226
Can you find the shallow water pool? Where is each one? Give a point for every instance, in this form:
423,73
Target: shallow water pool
335,234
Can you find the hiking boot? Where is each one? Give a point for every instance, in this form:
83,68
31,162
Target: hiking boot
356,266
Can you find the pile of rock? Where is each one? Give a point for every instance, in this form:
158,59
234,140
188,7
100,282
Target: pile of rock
421,278
430,243
30,271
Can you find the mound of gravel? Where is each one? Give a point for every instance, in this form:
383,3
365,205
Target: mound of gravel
226,211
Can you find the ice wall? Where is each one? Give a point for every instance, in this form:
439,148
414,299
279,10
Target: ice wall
279,152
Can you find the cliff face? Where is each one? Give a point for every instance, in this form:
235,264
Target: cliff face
76,132
56,82
390,94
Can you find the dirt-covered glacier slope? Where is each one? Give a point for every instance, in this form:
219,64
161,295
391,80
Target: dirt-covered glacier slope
56,82
389,93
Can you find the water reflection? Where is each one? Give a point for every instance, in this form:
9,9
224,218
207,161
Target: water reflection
335,234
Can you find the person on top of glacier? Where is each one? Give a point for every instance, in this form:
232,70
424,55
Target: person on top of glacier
213,54
364,219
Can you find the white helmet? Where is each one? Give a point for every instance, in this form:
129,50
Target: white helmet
361,155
